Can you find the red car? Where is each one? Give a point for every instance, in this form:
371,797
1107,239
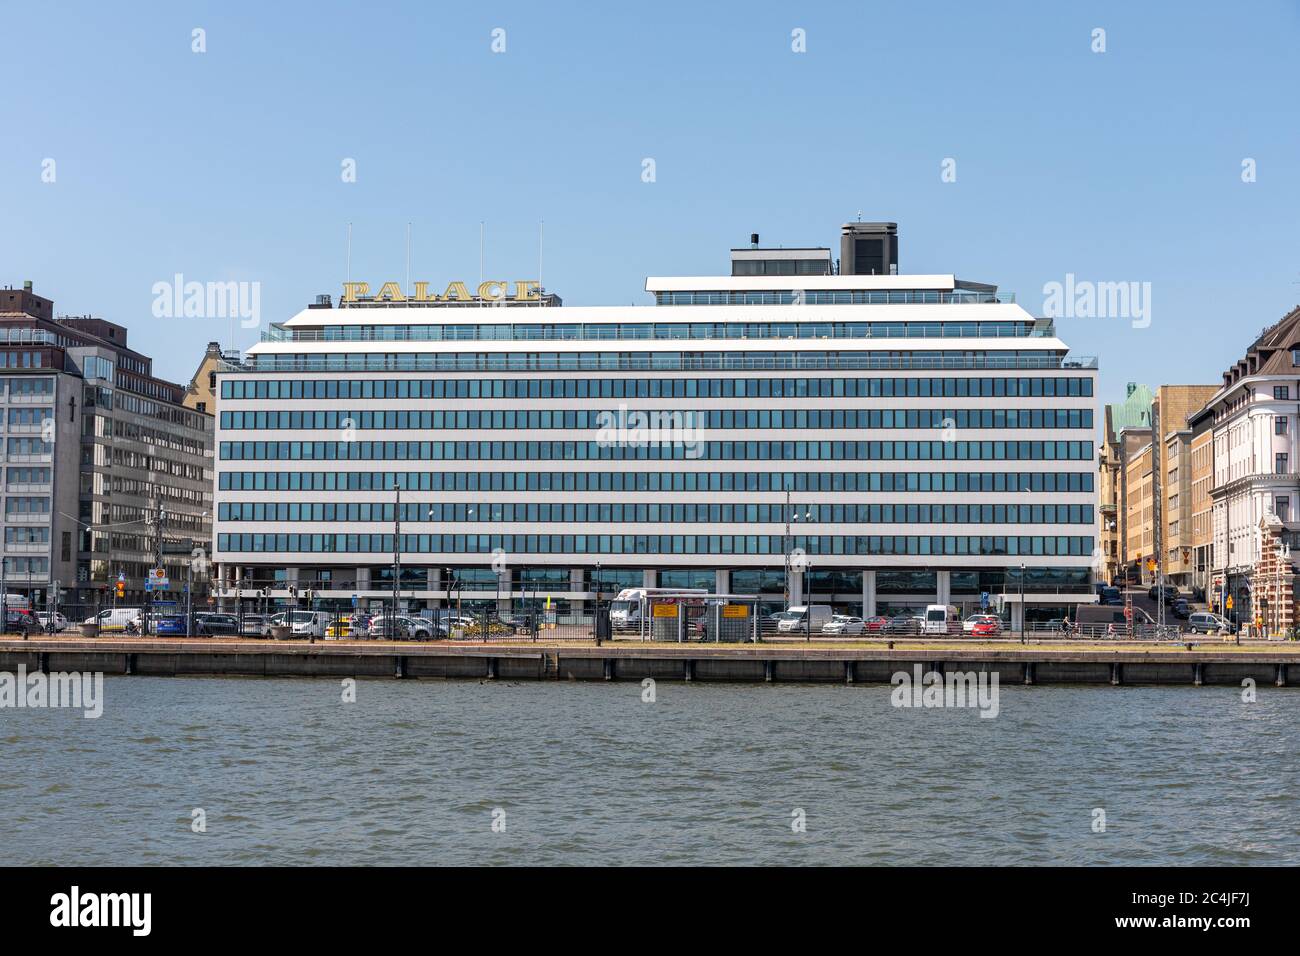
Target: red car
874,624
991,627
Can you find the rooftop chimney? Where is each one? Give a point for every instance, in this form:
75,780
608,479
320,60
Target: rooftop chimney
753,240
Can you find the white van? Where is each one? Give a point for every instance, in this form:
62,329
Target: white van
805,619
941,619
114,618
308,623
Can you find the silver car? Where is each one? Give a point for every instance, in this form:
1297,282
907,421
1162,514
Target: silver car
844,624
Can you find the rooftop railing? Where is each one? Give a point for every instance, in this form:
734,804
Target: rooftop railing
471,362
661,332
834,297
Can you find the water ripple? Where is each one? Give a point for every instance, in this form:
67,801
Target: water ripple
418,772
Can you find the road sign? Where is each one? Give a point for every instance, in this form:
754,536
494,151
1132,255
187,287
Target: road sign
665,610
984,600
157,578
1229,602
164,603
735,610
184,546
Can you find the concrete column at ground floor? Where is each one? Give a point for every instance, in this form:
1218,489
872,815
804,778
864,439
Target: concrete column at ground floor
796,587
868,593
577,586
291,576
1017,615
944,584
503,589
363,579
721,582
648,578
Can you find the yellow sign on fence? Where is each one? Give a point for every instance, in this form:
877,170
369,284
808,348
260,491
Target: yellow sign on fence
665,610
735,610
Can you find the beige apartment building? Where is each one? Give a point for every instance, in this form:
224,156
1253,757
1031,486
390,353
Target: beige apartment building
201,393
1170,410
1139,510
1201,454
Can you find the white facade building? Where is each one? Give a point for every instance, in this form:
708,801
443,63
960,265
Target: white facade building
1256,489
922,437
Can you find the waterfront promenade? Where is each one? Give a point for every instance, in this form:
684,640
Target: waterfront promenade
1210,661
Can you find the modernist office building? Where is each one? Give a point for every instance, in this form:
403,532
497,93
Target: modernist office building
93,446
930,436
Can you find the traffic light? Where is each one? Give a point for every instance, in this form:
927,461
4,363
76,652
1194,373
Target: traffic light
121,589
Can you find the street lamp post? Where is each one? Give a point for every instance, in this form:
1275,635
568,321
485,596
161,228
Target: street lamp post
807,602
595,621
1023,622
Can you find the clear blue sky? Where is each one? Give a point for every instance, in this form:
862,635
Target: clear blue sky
1120,166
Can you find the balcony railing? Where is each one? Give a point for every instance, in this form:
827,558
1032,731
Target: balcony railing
22,336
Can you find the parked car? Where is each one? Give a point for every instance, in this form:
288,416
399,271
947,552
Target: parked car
115,618
772,622
904,624
253,624
342,627
1180,609
206,624
52,621
968,624
843,624
1206,622
408,628
874,624
1109,595
1162,592
170,625
987,626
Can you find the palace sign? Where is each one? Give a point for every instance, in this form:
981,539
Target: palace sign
493,290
